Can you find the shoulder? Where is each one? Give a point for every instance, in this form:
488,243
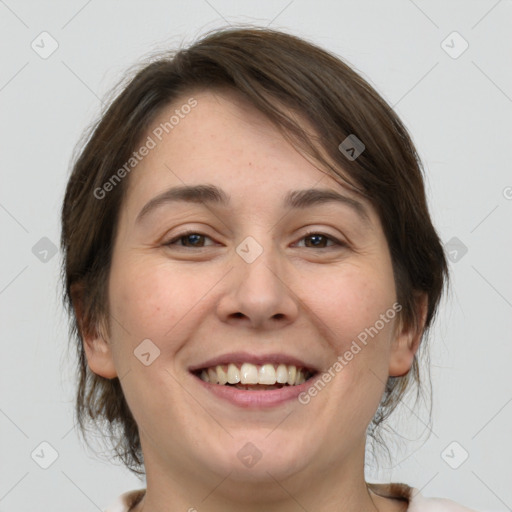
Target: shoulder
126,501
416,501
420,503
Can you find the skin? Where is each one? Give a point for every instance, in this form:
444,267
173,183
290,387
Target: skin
195,303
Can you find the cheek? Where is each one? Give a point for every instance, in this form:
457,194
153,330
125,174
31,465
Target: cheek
351,302
355,310
150,299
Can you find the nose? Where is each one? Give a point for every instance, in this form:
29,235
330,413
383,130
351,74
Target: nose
259,294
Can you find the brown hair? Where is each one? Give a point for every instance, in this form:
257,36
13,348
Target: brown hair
279,74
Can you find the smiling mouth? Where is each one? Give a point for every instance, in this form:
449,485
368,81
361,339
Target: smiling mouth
251,377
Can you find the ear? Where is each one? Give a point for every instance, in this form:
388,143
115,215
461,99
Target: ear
407,339
94,337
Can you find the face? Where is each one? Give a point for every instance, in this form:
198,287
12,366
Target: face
255,278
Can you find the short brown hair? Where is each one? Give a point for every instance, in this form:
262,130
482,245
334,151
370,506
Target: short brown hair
278,74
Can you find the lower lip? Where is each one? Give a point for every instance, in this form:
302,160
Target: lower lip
257,399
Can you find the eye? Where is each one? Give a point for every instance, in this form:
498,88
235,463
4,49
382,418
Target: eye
313,240
320,240
189,239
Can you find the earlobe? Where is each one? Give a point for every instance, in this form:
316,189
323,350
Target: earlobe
407,340
99,356
94,339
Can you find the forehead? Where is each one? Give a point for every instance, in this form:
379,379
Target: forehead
223,140
222,136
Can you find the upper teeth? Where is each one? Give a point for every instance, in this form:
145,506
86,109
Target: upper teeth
254,374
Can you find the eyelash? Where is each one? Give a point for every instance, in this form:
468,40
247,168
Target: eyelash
306,235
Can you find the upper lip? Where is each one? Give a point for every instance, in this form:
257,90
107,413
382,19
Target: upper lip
256,359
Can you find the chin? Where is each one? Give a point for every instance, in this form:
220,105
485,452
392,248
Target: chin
259,460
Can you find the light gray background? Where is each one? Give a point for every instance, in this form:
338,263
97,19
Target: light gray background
459,113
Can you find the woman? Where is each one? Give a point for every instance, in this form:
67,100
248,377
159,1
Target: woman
251,268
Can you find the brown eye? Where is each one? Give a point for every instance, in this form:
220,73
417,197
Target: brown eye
316,240
320,241
189,239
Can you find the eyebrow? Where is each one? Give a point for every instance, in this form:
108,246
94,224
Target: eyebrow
210,194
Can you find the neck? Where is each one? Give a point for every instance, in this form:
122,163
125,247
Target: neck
339,488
